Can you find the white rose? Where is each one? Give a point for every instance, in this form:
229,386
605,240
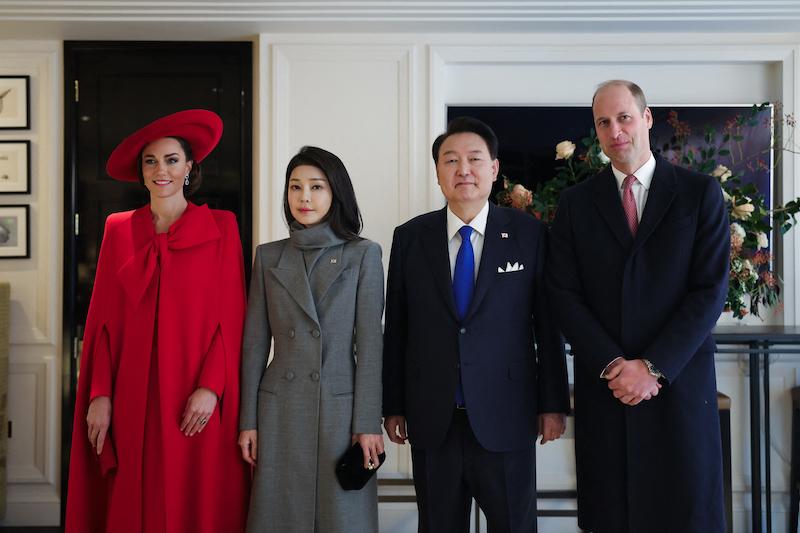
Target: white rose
761,237
603,157
741,211
722,173
737,229
565,149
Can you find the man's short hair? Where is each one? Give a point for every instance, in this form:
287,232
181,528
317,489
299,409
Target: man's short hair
467,125
635,90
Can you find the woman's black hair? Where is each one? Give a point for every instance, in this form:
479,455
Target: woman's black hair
343,216
195,173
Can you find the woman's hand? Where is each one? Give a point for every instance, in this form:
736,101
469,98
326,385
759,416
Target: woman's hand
199,408
98,418
371,445
248,442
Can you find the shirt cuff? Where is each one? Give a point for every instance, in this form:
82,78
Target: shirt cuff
603,373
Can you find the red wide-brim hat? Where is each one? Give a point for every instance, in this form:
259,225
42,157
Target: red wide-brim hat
202,129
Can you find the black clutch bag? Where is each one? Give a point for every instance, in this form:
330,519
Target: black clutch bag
350,469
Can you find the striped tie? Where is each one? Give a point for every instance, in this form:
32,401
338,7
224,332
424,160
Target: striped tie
629,204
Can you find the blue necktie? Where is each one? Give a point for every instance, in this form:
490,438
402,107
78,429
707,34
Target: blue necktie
463,287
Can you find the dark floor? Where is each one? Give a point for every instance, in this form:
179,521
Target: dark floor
31,529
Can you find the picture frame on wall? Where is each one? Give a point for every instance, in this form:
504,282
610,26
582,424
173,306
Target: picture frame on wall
14,231
15,167
15,103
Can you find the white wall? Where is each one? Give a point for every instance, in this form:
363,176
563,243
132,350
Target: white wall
34,402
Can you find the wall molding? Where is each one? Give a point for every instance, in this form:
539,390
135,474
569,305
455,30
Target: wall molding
389,10
285,57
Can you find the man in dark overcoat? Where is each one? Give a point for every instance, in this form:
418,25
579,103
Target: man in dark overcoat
638,271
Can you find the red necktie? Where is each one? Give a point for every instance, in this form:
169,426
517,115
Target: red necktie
629,204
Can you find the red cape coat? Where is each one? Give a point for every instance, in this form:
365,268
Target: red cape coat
186,285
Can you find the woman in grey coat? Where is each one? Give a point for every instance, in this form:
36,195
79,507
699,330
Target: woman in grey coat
318,296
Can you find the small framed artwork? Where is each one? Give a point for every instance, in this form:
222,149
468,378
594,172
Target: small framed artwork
15,167
15,103
14,231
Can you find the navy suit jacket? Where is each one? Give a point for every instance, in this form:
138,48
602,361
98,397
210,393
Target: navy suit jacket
506,379
656,466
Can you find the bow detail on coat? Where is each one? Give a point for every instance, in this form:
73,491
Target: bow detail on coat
152,249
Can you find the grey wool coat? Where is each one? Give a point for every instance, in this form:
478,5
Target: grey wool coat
320,300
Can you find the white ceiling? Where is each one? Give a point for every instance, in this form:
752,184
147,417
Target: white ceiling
221,19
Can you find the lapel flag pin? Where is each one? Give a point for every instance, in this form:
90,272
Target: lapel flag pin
504,235
333,260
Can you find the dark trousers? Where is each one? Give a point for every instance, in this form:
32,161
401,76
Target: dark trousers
448,477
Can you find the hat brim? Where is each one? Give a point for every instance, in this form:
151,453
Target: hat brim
202,129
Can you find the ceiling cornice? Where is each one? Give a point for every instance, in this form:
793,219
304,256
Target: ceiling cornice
532,11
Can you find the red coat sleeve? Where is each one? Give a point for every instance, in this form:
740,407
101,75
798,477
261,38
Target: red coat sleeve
226,347
101,382
212,374
88,490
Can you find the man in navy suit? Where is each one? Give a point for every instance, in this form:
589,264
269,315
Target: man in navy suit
638,270
463,379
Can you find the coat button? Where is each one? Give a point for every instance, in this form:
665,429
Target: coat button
315,376
315,333
462,330
291,333
289,375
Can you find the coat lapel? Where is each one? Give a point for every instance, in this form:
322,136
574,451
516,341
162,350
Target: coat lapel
659,198
291,273
329,268
491,256
606,197
434,242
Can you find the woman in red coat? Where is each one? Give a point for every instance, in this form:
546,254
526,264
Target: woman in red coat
154,446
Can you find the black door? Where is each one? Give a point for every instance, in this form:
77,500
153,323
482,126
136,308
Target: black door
112,89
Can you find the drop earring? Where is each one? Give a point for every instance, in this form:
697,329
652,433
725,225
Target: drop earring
186,181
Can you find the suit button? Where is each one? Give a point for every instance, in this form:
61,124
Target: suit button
462,330
291,333
315,333
314,376
289,375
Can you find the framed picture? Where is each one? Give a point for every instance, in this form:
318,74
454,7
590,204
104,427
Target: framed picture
14,231
15,103
15,167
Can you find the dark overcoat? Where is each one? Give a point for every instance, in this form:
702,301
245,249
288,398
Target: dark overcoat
655,467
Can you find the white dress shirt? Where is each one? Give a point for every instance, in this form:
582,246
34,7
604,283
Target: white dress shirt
478,225
640,187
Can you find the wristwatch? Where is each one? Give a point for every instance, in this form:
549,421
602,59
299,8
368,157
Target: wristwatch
652,370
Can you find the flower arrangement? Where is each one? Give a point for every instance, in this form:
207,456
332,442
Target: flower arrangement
719,154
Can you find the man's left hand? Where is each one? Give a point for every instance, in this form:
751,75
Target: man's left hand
551,426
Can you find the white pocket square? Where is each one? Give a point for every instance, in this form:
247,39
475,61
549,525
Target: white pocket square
516,267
